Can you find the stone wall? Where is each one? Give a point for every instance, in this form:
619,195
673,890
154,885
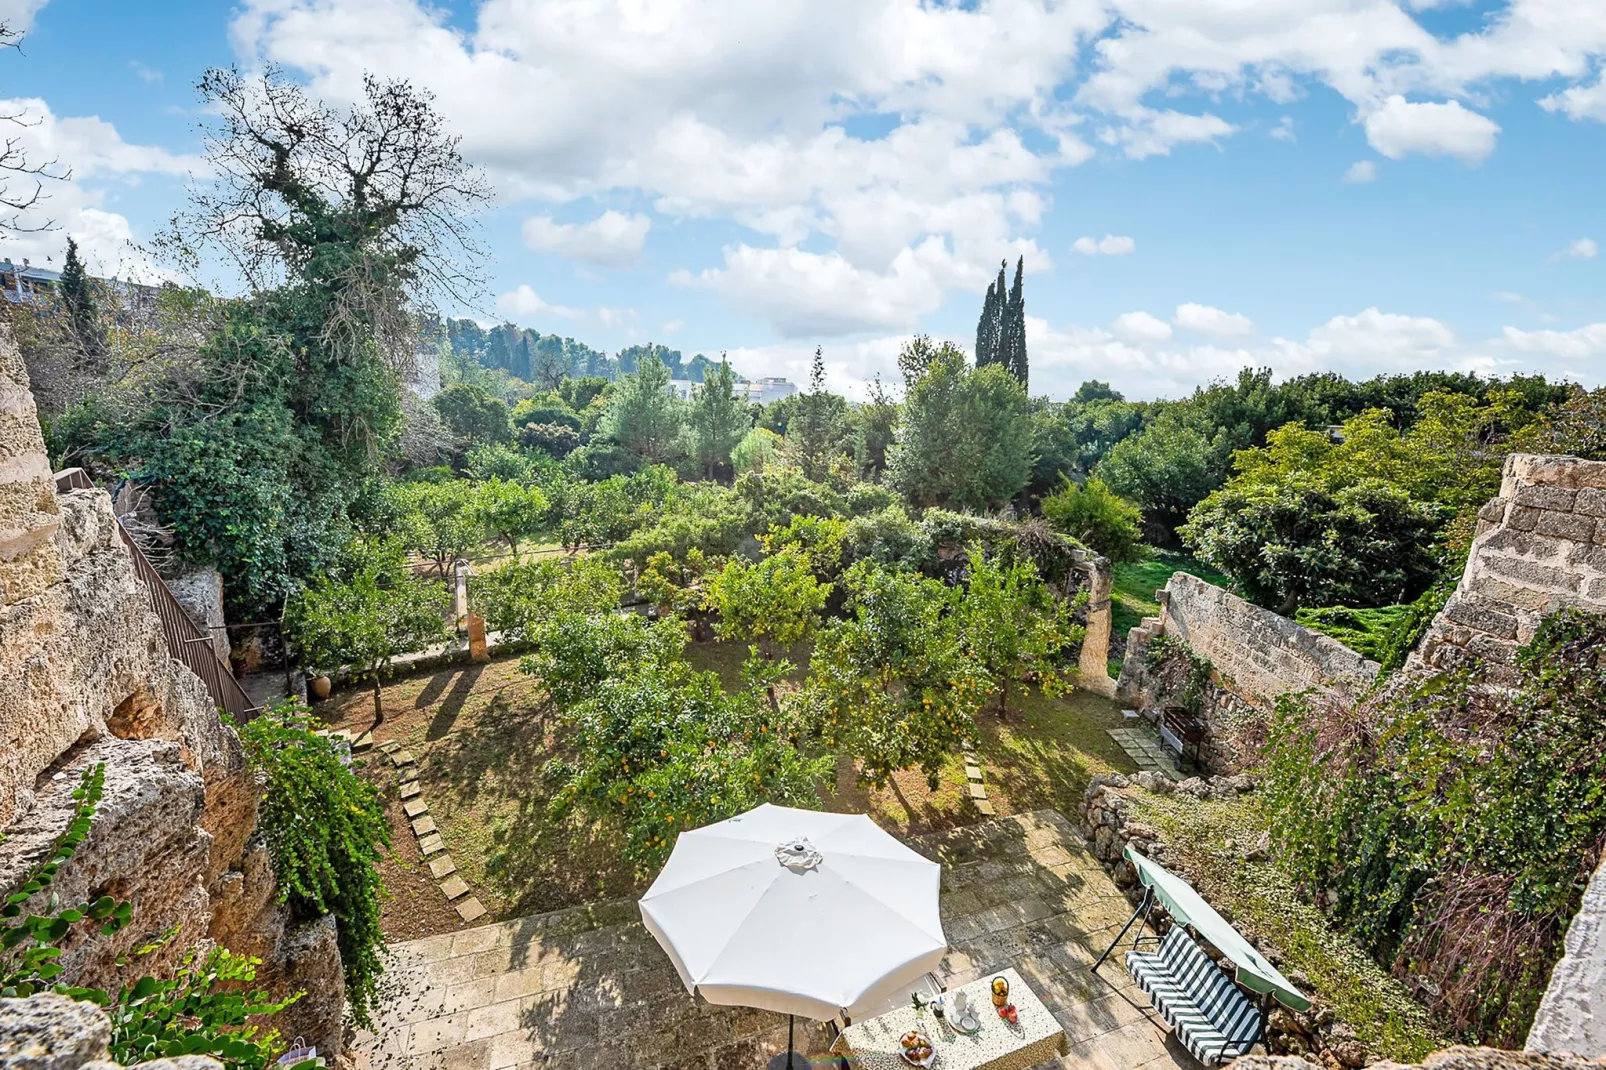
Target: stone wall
1255,655
1540,545
1572,1014
52,1032
85,679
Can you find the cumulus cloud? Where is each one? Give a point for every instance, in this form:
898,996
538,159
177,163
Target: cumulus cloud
1208,320
1109,245
1580,101
524,302
1401,127
1361,172
613,239
1140,327
99,161
1578,249
1587,341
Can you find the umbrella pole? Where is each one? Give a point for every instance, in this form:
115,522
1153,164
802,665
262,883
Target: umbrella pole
789,1048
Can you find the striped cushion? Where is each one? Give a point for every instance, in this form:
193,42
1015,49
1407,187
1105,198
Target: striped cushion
1207,1011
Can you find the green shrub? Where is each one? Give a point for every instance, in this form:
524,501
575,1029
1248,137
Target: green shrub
325,827
1095,516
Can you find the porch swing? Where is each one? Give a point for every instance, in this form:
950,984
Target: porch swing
1209,1013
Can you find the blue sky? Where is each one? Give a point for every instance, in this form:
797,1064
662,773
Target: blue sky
1360,185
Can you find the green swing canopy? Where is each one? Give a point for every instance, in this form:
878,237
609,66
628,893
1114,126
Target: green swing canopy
1189,908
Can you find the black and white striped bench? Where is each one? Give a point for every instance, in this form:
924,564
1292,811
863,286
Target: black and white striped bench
1210,1015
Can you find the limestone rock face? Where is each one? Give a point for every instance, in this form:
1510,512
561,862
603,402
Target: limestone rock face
1572,1014
86,679
51,1032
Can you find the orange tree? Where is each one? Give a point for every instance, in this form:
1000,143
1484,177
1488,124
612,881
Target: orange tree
893,684
1017,629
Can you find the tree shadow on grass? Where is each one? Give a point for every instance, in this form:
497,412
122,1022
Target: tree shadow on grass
462,687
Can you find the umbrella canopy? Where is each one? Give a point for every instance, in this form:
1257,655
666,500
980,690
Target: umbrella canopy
1189,908
797,911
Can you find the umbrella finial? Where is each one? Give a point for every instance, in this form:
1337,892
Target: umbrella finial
798,855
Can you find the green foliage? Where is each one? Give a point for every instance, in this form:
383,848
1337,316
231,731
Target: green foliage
700,516
888,537
205,1010
547,410
504,462
1577,426
1001,332
326,829
1181,674
965,440
642,415
814,434
677,585
892,685
1016,629
576,651
1096,517
875,425
1365,631
756,451
716,422
555,440
509,511
365,620
1167,468
1455,825
519,598
438,521
151,1018
77,294
473,414
775,602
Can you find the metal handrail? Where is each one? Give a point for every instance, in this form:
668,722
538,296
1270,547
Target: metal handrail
184,638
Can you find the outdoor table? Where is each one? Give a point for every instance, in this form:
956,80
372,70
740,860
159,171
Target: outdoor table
873,1044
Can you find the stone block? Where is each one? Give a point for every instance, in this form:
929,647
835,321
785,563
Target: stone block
1485,617
402,757
431,844
470,909
1591,501
415,808
442,867
411,790
977,791
1596,590
1493,512
1522,518
1528,572
1566,526
454,887
423,826
51,1032
1546,496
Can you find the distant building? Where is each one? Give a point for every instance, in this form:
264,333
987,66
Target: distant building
682,388
27,284
768,389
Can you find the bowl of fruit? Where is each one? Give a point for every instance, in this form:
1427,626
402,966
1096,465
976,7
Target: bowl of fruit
916,1049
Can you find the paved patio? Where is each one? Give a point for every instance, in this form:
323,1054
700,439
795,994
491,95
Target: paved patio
1141,741
588,988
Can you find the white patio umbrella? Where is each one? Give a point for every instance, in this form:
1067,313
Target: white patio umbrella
797,911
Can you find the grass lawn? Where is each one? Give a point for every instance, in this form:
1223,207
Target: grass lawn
482,735
1132,594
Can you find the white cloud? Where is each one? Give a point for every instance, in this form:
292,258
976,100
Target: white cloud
1374,341
99,161
1587,341
1578,249
148,75
1361,172
1140,327
1109,245
1284,130
18,14
613,239
1580,101
1207,320
1400,128
523,301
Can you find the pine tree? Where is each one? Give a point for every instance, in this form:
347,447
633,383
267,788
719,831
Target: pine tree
83,312
1014,344
815,431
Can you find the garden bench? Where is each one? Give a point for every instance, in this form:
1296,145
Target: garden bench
1210,1015
1181,730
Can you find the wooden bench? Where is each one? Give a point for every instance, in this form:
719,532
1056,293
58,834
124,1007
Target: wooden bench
1180,730
1210,1015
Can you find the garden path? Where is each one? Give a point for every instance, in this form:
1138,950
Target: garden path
588,987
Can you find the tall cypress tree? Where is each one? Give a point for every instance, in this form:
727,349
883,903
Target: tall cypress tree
984,334
990,349
83,311
1015,327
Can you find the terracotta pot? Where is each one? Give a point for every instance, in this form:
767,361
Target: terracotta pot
318,687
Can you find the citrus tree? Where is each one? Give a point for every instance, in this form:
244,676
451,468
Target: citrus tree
1016,628
509,511
679,585
775,602
893,684
518,598
365,620
438,521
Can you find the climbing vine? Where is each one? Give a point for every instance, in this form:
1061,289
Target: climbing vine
1453,825
326,829
1179,671
206,1009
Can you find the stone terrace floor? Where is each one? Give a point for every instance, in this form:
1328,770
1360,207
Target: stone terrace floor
588,988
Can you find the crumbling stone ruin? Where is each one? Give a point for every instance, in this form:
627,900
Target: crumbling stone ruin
86,678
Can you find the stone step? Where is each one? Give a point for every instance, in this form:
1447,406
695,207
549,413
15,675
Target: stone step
442,867
415,808
977,791
985,807
454,887
362,743
973,772
470,909
402,757
410,789
390,746
423,826
408,774
431,844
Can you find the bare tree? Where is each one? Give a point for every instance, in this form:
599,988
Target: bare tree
21,188
375,203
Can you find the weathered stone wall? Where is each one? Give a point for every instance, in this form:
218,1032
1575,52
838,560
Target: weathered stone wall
1540,545
1572,1014
1255,655
85,678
